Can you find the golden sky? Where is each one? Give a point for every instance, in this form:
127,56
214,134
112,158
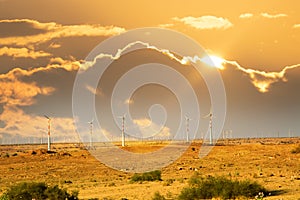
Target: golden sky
256,42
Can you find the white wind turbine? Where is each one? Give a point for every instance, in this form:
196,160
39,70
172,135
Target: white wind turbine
187,127
49,130
123,130
210,115
91,133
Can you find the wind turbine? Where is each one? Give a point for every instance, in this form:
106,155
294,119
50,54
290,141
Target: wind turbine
49,129
210,115
123,130
187,128
91,133
41,137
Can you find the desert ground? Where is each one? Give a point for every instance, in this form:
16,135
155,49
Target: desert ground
268,161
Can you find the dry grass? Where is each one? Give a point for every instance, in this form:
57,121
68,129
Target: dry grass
267,161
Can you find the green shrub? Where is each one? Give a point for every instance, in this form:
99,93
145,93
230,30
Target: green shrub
220,187
4,197
147,176
158,196
38,191
296,150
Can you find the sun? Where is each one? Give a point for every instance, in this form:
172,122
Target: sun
213,61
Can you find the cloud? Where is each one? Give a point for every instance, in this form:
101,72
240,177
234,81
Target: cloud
107,134
246,15
150,129
260,79
166,25
18,93
22,53
265,15
54,45
117,55
205,22
54,30
93,90
32,23
129,101
143,123
16,122
55,63
296,26
273,16
15,92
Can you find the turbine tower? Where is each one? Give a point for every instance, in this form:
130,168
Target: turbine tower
210,115
123,130
91,134
187,128
49,129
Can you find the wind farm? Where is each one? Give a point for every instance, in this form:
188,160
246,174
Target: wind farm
149,100
252,159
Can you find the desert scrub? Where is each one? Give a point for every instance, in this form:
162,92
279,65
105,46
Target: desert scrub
38,191
4,197
296,150
219,187
158,196
147,176
168,182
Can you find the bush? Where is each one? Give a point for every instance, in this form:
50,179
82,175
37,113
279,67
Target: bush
4,197
168,182
220,187
296,150
147,176
158,196
38,191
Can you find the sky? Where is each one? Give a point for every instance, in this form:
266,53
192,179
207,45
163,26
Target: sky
43,44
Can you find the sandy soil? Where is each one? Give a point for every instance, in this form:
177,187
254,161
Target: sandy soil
267,161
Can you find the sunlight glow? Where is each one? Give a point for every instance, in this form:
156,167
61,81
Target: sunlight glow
214,61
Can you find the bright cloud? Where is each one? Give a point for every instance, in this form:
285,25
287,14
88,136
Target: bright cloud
15,92
150,129
54,30
263,80
18,93
144,122
166,25
246,15
55,63
22,53
273,16
260,79
296,26
19,123
205,22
